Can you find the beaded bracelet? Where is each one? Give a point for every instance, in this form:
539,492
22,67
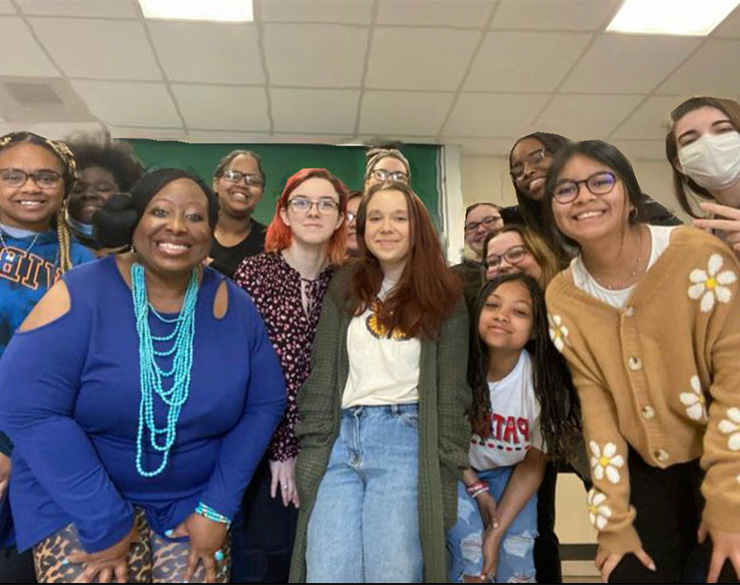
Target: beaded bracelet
208,512
477,488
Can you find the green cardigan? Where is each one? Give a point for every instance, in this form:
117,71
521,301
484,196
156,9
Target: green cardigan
444,433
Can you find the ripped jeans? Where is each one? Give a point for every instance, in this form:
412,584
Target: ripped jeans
465,538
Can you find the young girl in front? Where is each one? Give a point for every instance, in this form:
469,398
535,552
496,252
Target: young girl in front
524,407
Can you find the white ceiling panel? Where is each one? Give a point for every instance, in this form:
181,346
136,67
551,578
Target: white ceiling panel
484,146
325,11
7,8
208,107
525,61
222,137
31,60
650,121
98,49
399,112
367,140
586,15
617,63
425,58
712,70
582,117
730,28
125,132
471,13
84,8
129,103
328,139
315,55
321,111
205,52
645,149
494,115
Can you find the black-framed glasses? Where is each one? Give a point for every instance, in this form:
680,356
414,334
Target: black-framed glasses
44,179
513,255
489,222
601,183
251,179
303,205
384,175
532,159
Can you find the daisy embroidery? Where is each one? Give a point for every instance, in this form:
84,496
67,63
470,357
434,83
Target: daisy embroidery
696,404
710,284
558,331
731,426
605,462
598,512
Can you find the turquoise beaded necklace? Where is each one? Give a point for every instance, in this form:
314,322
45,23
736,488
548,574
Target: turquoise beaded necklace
152,375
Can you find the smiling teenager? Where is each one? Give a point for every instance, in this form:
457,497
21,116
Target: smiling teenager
648,318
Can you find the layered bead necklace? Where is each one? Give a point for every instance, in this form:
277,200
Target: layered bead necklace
152,376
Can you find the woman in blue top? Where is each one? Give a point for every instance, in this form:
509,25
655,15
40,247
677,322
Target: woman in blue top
135,435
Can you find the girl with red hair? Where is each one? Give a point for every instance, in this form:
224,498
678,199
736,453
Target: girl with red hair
305,242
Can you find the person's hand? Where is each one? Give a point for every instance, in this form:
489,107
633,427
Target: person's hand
283,477
726,219
4,473
491,543
206,538
607,561
107,564
725,545
487,507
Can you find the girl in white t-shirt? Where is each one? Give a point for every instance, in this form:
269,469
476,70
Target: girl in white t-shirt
523,401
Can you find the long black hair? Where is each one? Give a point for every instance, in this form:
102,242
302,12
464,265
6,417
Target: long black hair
560,412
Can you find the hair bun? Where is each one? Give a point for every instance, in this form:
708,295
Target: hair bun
113,225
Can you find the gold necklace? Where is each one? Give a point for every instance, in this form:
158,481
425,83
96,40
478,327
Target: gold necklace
624,284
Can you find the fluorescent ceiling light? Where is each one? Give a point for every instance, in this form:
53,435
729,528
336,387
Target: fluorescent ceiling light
218,10
671,17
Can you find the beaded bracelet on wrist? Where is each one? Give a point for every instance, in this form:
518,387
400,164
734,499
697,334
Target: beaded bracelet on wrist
208,512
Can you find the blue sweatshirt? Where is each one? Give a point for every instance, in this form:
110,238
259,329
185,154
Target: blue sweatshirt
69,400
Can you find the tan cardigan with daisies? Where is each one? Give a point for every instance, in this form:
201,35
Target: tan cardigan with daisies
662,375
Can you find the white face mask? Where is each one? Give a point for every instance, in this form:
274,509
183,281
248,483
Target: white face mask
713,161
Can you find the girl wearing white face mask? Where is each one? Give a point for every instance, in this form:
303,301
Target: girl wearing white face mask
704,148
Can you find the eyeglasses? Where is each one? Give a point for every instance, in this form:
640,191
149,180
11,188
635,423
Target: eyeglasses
532,159
351,217
383,175
44,179
303,205
513,255
250,179
487,222
598,183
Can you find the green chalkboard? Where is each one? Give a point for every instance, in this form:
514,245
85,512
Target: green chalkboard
280,161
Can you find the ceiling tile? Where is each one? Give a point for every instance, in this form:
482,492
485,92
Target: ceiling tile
34,62
325,11
85,8
730,28
129,103
427,58
323,111
125,132
207,52
363,140
221,137
494,115
650,121
489,146
98,49
7,8
711,70
54,130
554,14
399,112
645,149
617,63
582,117
525,62
208,107
438,13
330,139
315,55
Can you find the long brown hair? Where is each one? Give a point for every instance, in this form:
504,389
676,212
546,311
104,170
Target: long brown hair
428,290
729,108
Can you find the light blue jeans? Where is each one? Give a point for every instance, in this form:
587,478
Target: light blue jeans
465,538
364,527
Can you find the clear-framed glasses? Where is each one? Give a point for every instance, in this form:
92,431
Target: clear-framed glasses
599,184
383,175
532,159
44,179
513,255
489,222
251,179
303,205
